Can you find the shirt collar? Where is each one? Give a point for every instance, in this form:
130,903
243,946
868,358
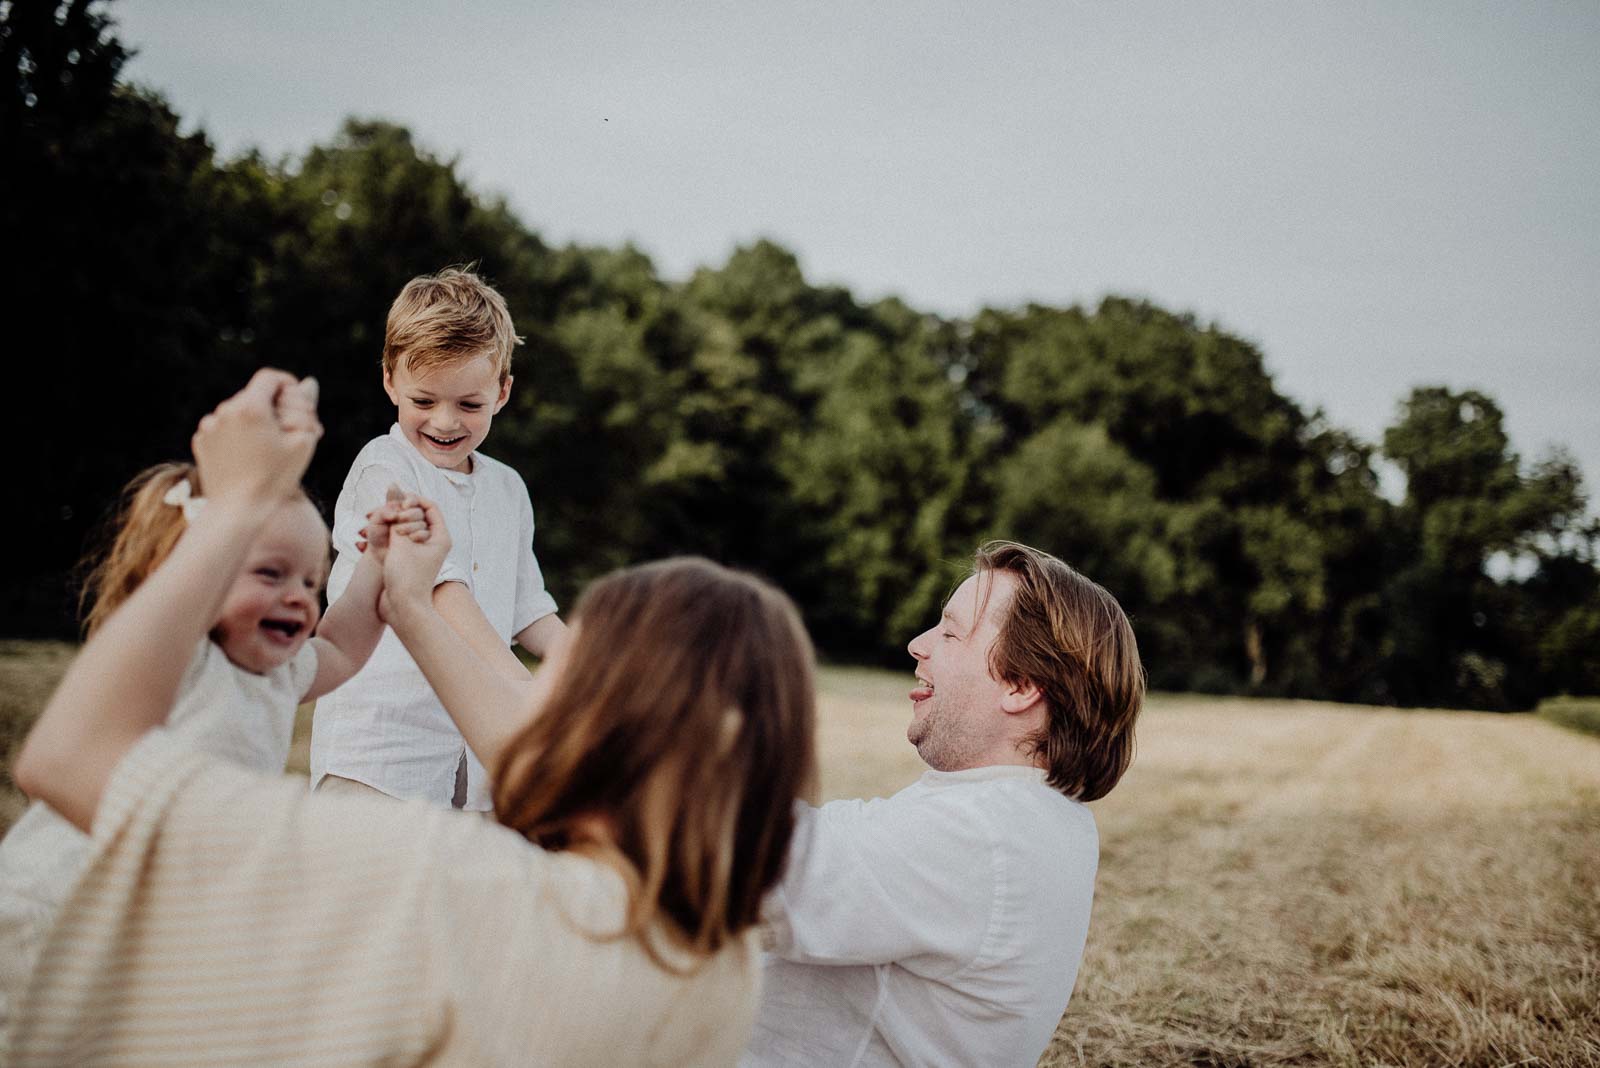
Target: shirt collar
459,478
990,773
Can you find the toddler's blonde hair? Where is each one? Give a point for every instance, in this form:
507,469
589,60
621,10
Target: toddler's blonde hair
142,535
146,528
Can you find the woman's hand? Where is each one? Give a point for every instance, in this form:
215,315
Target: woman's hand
257,444
415,554
251,452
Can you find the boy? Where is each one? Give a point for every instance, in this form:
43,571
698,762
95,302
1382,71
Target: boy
447,368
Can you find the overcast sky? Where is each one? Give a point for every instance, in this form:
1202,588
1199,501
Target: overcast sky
1378,195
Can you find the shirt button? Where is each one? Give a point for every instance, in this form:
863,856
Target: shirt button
474,567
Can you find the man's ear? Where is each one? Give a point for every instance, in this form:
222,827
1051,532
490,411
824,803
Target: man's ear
1020,697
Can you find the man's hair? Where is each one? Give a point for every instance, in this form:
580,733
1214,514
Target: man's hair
1069,637
683,719
440,318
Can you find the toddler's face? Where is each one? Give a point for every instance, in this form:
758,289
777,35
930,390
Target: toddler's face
274,604
445,412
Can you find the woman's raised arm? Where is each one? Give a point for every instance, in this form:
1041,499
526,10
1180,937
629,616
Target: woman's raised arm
251,453
488,706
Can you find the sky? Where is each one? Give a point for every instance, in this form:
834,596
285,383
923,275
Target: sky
1377,195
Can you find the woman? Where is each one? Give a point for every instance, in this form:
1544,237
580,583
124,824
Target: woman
232,918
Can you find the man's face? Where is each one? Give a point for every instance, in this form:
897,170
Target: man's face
956,715
446,412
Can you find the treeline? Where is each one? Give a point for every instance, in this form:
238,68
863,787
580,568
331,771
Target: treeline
853,452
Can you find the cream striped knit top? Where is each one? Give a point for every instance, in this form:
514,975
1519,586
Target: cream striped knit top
232,918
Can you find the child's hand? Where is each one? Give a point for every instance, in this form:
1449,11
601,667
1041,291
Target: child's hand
256,445
400,515
414,557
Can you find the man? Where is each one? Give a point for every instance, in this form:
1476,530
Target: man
945,924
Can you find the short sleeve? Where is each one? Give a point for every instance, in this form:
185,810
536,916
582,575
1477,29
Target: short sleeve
457,566
303,671
533,600
367,491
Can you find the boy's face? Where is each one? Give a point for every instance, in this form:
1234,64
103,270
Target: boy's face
445,412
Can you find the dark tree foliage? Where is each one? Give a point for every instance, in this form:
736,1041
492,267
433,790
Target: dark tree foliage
124,266
854,453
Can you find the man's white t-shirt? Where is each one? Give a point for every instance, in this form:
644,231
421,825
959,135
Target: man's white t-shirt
385,727
943,925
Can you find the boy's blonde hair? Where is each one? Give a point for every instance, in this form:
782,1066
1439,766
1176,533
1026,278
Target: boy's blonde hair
440,318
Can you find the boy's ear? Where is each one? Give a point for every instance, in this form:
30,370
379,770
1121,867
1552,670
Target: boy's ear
505,395
388,387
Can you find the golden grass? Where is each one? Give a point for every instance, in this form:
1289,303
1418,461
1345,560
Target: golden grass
1289,883
28,673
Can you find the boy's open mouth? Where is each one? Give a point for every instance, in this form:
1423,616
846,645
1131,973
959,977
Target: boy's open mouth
446,443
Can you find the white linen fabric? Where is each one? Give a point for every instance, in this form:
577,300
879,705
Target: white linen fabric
384,727
351,931
943,925
221,709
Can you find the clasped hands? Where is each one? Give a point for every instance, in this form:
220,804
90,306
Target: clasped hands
407,536
253,450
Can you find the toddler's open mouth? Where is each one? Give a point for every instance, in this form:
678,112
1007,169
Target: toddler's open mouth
446,443
287,629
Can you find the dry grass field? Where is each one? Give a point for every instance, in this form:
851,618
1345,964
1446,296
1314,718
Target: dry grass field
1285,883
1293,883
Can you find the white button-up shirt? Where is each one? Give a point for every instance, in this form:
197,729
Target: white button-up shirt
385,727
942,926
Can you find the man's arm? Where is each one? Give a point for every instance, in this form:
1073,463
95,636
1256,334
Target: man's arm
908,881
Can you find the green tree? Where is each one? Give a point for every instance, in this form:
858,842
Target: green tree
127,265
1461,633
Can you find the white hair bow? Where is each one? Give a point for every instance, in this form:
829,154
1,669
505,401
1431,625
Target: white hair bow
182,496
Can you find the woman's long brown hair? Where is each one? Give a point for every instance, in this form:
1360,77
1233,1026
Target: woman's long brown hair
682,724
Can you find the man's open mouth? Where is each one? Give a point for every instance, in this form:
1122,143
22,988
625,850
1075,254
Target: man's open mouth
923,691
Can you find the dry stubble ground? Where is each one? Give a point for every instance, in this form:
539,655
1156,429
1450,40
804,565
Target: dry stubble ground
1293,883
1285,883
